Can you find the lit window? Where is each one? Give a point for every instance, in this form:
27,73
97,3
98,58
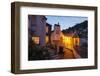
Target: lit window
36,40
47,39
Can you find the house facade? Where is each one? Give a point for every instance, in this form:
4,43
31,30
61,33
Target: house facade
39,30
64,40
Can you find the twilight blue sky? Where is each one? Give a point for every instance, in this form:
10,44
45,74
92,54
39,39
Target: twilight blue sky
65,21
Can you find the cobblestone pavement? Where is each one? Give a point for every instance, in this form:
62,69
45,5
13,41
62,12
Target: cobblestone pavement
68,54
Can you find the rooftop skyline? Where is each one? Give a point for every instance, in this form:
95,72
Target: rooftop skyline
65,21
